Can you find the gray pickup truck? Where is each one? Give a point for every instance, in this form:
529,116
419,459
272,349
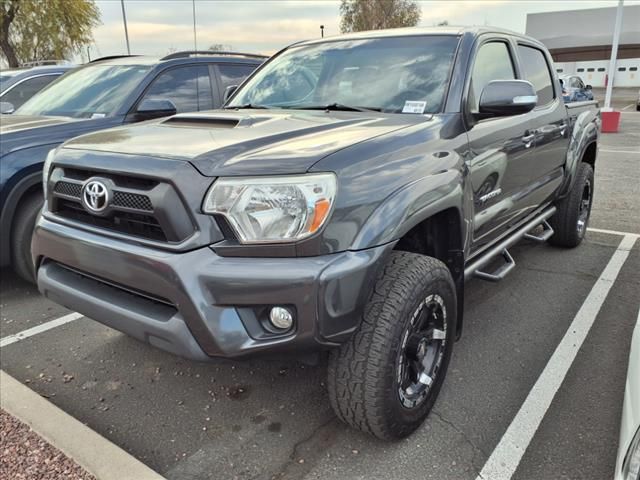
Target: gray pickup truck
339,202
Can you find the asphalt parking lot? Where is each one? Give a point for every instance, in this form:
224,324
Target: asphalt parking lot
270,417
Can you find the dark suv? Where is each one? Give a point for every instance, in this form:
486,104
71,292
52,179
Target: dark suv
104,93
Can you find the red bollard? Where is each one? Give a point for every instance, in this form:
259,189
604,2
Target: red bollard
610,121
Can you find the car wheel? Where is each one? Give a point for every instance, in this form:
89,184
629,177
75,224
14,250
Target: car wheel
386,378
21,233
572,218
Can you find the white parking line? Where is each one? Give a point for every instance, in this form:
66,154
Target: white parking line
606,150
613,232
9,339
506,457
629,106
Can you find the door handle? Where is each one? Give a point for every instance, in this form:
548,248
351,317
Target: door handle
528,139
562,128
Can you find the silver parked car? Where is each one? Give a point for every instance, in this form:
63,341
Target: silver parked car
20,84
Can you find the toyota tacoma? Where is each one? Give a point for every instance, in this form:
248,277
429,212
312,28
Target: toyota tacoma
337,202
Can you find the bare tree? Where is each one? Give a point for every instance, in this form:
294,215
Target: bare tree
220,47
358,15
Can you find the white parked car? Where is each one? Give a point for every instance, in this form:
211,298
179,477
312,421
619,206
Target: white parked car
628,466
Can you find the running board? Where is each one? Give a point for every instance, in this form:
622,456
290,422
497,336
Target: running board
547,231
474,269
499,273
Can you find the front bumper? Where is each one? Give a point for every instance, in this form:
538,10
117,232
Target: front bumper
200,305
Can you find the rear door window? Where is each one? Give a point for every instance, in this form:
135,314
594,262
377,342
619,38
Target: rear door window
189,88
536,70
234,74
493,62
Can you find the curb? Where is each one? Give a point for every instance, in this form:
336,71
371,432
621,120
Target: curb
93,452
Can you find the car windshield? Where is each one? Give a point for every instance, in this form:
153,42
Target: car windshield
88,92
393,75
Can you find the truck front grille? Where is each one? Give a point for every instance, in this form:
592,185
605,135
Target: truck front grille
68,189
129,223
131,200
139,207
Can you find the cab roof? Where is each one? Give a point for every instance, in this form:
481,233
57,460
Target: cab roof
417,31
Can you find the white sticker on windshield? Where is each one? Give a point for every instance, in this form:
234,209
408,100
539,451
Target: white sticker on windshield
98,115
414,106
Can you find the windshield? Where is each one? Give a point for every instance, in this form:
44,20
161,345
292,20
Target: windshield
89,92
398,74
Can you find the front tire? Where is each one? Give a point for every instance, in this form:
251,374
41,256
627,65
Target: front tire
21,233
572,218
386,378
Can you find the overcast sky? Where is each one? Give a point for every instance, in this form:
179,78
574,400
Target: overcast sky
265,26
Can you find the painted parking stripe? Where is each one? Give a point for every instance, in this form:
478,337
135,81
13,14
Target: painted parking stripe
606,150
506,457
9,339
613,232
629,106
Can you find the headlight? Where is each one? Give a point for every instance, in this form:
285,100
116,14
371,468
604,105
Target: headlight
631,464
273,209
46,168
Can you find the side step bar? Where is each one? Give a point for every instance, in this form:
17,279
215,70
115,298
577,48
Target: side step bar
474,269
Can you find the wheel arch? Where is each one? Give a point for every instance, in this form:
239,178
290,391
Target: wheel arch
441,236
29,184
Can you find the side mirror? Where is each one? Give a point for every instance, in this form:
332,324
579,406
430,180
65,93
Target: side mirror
154,108
588,87
501,98
228,92
6,107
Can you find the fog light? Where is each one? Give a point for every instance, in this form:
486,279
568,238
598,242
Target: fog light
281,318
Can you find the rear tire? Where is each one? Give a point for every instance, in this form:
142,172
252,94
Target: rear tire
409,322
572,218
21,233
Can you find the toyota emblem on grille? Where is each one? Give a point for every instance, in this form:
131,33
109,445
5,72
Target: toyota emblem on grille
95,196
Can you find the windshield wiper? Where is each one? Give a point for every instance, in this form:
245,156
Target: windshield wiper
246,105
335,107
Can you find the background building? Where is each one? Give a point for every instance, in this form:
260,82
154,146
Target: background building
580,42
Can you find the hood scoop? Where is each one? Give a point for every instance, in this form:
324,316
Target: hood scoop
202,122
213,121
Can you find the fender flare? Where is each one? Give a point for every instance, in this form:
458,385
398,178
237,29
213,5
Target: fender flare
589,138
419,201
415,202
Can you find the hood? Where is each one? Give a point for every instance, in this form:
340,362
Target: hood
247,142
24,131
16,123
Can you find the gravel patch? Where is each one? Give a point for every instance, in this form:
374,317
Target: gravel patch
26,455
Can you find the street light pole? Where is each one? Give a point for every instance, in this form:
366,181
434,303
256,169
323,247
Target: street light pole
322,31
614,54
195,43
126,32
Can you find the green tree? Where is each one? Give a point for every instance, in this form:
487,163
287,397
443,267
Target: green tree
358,15
32,30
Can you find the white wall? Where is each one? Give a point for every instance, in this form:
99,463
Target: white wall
594,72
